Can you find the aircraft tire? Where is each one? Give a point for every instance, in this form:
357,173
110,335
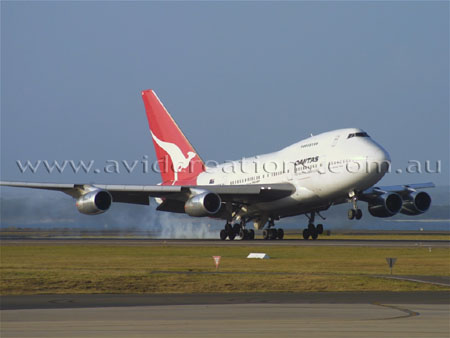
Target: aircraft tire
223,235
228,228
243,233
306,234
231,235
319,229
280,233
251,234
236,228
272,234
351,213
314,235
358,213
266,234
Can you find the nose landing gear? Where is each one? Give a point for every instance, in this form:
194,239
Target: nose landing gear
355,212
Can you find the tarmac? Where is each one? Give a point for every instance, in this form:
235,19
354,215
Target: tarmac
342,314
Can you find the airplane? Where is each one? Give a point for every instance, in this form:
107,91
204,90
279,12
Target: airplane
307,177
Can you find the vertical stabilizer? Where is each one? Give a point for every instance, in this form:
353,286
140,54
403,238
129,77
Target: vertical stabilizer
178,161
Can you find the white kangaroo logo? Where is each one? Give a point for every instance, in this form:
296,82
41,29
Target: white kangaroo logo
178,160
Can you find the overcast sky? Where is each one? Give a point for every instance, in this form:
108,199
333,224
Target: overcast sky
240,78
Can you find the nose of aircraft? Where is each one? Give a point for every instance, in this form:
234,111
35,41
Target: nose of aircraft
378,158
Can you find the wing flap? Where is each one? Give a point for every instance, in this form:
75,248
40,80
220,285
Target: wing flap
130,197
251,193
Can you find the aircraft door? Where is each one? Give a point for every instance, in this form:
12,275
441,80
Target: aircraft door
290,173
322,165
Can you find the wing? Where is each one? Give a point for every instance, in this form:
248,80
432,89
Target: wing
139,194
402,190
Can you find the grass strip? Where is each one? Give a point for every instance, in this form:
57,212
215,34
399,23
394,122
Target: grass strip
77,268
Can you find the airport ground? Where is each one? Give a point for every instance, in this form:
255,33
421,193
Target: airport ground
342,314
165,288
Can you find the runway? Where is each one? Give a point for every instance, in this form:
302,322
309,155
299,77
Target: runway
216,243
372,314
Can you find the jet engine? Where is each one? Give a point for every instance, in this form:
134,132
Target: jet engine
386,205
416,203
94,202
203,204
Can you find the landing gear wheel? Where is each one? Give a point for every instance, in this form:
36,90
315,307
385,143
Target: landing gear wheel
223,235
236,228
251,234
358,214
280,233
314,235
319,229
231,235
265,234
246,234
243,233
351,213
306,234
228,228
272,234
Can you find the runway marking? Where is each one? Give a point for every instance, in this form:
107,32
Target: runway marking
415,280
409,313
230,272
61,301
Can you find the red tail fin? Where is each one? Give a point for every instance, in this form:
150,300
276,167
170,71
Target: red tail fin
178,161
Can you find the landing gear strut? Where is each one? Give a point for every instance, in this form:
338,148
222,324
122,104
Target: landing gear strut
355,212
271,232
312,230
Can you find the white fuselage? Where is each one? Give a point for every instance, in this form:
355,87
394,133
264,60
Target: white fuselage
325,169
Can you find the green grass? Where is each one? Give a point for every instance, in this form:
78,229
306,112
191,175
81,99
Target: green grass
37,269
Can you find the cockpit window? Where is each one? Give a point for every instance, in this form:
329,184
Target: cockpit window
363,134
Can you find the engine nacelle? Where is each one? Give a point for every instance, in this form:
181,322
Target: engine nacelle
94,202
203,204
416,203
386,205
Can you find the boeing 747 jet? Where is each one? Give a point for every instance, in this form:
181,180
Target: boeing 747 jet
308,177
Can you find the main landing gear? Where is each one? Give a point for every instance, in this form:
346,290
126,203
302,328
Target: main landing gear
238,229
355,212
312,230
271,232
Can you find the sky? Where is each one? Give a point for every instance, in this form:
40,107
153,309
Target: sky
240,79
